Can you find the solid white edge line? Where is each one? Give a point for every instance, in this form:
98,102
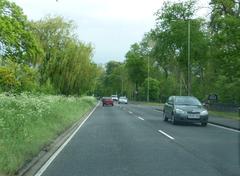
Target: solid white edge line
50,160
140,118
160,131
218,126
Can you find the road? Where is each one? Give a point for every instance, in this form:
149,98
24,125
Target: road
133,140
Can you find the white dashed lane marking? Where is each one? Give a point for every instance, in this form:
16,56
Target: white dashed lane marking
170,137
140,118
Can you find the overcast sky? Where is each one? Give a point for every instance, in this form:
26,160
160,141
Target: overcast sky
110,25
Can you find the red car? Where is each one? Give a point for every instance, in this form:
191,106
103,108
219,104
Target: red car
107,101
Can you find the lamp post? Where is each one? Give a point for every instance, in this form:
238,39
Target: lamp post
189,64
188,59
148,82
151,44
122,88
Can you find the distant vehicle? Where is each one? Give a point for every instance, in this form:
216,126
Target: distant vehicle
107,101
185,109
114,97
123,100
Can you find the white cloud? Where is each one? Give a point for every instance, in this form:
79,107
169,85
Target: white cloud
124,9
112,26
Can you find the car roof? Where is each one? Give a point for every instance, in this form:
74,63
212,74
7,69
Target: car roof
184,96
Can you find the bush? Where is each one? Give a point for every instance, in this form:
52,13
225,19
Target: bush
18,77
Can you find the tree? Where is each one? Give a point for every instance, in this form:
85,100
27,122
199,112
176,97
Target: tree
67,62
224,25
136,65
19,50
225,47
171,44
16,39
154,89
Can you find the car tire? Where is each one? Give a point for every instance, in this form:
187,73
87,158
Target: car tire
102,104
165,117
204,124
112,104
174,122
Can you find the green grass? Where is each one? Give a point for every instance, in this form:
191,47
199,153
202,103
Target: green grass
30,122
228,115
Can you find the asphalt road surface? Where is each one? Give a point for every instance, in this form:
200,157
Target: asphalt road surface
133,140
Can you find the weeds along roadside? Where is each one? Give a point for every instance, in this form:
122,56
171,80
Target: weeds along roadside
29,122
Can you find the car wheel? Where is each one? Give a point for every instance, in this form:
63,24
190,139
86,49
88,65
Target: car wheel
112,104
174,122
204,124
102,104
165,117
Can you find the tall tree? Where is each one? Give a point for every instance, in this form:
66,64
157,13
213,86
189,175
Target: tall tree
16,39
68,61
171,40
136,65
224,26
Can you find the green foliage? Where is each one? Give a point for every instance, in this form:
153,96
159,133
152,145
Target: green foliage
168,87
136,65
214,51
17,77
229,93
170,38
7,79
112,78
30,122
46,88
67,63
154,90
224,25
225,46
45,55
16,40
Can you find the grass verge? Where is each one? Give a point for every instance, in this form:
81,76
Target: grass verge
30,122
228,115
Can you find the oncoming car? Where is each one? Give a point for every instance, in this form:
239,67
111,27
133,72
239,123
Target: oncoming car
114,97
185,109
123,100
107,101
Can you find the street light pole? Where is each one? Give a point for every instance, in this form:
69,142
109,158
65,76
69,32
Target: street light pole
148,83
189,64
122,88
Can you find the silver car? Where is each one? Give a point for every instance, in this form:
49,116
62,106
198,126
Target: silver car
185,109
123,100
